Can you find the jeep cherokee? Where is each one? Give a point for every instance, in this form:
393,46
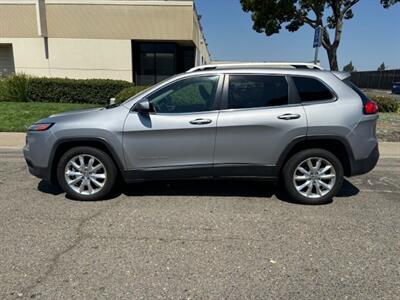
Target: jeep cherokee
296,123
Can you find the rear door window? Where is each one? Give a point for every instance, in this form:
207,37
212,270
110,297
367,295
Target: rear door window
311,89
249,91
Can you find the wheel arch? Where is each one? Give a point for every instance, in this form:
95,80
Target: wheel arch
336,145
64,145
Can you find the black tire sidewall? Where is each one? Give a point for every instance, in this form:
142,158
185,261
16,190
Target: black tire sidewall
101,156
292,164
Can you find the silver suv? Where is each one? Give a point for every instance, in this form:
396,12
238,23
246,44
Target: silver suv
295,123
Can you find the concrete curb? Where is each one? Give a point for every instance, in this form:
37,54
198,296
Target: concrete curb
12,139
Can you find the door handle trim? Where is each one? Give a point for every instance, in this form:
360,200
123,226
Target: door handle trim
200,121
289,117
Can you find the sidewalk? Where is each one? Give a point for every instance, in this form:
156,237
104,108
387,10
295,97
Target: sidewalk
16,140
389,150
12,140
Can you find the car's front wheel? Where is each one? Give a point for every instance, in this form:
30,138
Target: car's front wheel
86,173
313,176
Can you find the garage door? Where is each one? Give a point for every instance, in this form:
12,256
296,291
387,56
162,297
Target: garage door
6,60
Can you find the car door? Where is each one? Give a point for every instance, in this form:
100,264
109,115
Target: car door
179,133
259,118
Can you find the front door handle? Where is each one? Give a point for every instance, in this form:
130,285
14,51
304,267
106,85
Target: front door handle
200,121
289,117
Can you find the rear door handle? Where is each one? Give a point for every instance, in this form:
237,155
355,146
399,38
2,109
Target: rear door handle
200,121
289,117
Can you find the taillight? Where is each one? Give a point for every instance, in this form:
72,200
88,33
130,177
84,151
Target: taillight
370,107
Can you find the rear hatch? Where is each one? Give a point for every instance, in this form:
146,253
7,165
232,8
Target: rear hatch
364,134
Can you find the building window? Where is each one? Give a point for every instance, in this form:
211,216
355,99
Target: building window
154,62
187,58
6,60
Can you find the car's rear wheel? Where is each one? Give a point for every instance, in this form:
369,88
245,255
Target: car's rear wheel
313,176
86,173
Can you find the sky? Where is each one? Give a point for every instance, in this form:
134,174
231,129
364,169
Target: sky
370,38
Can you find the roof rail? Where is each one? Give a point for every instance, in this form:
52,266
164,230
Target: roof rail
295,65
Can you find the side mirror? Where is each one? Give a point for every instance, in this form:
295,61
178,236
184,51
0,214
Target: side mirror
143,106
111,102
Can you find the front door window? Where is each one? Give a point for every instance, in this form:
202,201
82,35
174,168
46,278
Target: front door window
196,94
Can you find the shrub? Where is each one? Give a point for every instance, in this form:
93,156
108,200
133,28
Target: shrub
14,88
26,88
386,103
2,87
129,92
96,91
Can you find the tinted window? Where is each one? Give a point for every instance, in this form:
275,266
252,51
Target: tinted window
311,89
246,91
187,95
156,62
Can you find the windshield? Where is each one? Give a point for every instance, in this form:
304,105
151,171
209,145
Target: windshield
147,89
137,95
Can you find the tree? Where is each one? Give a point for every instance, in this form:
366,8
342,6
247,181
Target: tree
382,67
269,15
349,67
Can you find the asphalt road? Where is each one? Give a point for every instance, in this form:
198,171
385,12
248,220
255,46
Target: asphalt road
199,240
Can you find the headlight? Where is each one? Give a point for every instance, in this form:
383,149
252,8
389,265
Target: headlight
40,126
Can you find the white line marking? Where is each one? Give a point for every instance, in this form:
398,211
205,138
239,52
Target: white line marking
380,191
389,181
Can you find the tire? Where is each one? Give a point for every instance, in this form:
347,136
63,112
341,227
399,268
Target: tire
325,183
97,179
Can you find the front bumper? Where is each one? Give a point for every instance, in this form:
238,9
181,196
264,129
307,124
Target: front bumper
364,166
42,173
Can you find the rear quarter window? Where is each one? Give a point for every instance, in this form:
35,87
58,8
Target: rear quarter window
355,88
311,89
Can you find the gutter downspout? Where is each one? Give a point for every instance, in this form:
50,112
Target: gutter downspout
42,28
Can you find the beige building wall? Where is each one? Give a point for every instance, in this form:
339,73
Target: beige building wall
92,38
94,20
73,58
29,55
120,22
203,56
18,20
90,58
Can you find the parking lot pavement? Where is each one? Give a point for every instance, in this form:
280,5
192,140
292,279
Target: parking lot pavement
376,92
199,239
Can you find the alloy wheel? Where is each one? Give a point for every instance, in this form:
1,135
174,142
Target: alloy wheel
314,177
85,174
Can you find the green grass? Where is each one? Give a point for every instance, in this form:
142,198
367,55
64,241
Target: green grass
18,116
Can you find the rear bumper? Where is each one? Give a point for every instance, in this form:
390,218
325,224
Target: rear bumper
364,166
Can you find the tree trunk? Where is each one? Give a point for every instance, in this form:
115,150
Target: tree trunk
332,56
